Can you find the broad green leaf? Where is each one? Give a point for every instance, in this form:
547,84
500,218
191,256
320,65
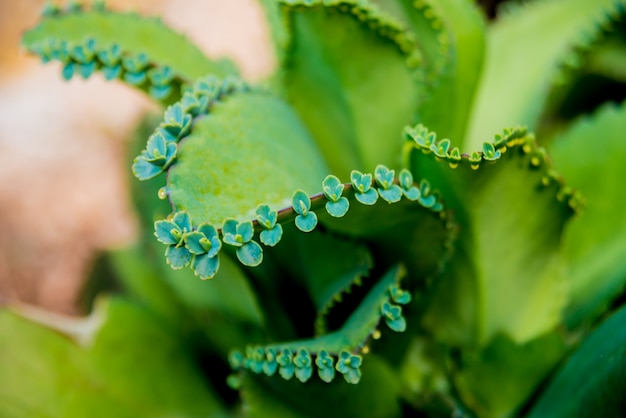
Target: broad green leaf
447,109
250,150
591,156
524,51
497,380
150,36
351,84
450,35
119,374
158,49
424,19
141,269
505,275
591,383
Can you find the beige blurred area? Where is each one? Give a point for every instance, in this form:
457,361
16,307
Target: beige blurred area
63,184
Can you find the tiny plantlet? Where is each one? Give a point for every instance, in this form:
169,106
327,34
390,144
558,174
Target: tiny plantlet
416,215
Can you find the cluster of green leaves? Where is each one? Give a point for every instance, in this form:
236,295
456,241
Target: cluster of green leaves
368,182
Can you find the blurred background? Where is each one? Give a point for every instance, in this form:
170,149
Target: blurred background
64,191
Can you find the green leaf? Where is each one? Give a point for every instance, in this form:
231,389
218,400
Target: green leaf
591,382
362,184
303,363
306,220
266,217
135,79
112,72
285,361
271,237
120,373
451,38
177,257
333,188
338,208
205,266
306,223
595,241
166,232
505,276
325,366
513,89
339,97
252,150
337,205
176,121
349,365
250,254
377,395
399,296
447,109
488,391
390,192
160,44
203,241
393,316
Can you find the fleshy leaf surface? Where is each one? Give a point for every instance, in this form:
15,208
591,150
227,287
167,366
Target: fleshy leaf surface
591,382
160,44
250,150
591,156
450,35
491,393
505,276
339,97
119,374
513,88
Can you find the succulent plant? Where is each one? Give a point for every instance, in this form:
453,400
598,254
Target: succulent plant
383,233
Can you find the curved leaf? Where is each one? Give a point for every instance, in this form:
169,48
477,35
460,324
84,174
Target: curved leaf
46,374
250,150
447,109
591,155
524,51
340,97
591,382
505,276
488,391
145,51
450,35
